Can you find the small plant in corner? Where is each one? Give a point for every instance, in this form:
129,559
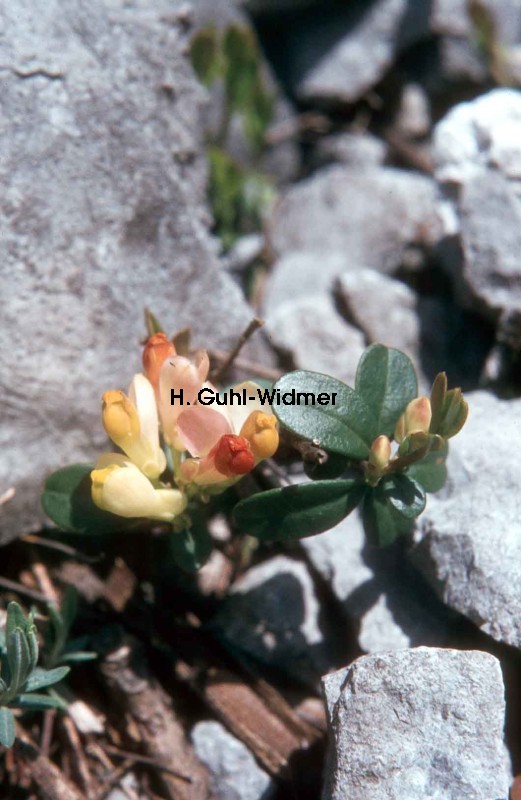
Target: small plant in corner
21,678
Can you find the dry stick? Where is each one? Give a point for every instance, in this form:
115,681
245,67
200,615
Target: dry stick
45,584
52,544
162,734
50,780
270,373
19,588
79,764
150,762
253,326
47,731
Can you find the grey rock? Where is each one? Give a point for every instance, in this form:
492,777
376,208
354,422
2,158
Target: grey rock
468,540
372,216
357,150
346,52
383,308
480,134
490,212
103,212
272,615
375,590
303,274
316,337
421,723
235,775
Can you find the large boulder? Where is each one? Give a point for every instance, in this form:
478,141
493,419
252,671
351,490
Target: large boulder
103,212
421,723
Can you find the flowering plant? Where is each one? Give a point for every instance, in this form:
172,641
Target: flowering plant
377,445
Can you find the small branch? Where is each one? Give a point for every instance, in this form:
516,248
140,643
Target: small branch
19,588
66,549
150,762
7,495
252,367
253,326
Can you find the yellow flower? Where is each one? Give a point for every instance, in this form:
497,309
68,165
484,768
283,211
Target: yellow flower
120,487
132,424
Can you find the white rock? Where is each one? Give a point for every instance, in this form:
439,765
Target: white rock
417,724
468,540
485,132
235,775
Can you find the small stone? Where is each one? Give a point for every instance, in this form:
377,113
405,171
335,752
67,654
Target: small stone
360,151
490,215
272,614
316,337
235,775
468,539
371,216
417,723
483,133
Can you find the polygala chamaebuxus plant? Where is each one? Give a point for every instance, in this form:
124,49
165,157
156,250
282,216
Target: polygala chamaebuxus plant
384,448
387,448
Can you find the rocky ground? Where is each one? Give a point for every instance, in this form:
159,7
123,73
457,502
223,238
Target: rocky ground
326,668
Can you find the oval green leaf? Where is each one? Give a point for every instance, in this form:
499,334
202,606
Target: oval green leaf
295,512
431,471
386,382
345,425
404,494
67,501
382,524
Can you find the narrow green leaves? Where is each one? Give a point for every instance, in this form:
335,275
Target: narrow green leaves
295,512
67,501
41,678
7,727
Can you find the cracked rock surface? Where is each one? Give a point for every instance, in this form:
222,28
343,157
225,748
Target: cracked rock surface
421,723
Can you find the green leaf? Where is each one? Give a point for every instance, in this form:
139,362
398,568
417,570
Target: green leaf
7,727
40,678
334,467
15,619
205,55
431,471
39,702
152,323
242,65
345,425
19,660
191,548
67,501
386,381
295,512
382,523
404,494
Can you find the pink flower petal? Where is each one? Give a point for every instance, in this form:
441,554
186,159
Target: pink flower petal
200,427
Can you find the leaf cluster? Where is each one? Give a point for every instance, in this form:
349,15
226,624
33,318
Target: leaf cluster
21,678
58,648
390,499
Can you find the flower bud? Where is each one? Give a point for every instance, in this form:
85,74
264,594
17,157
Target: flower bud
380,452
415,419
157,349
260,430
123,490
120,418
232,455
